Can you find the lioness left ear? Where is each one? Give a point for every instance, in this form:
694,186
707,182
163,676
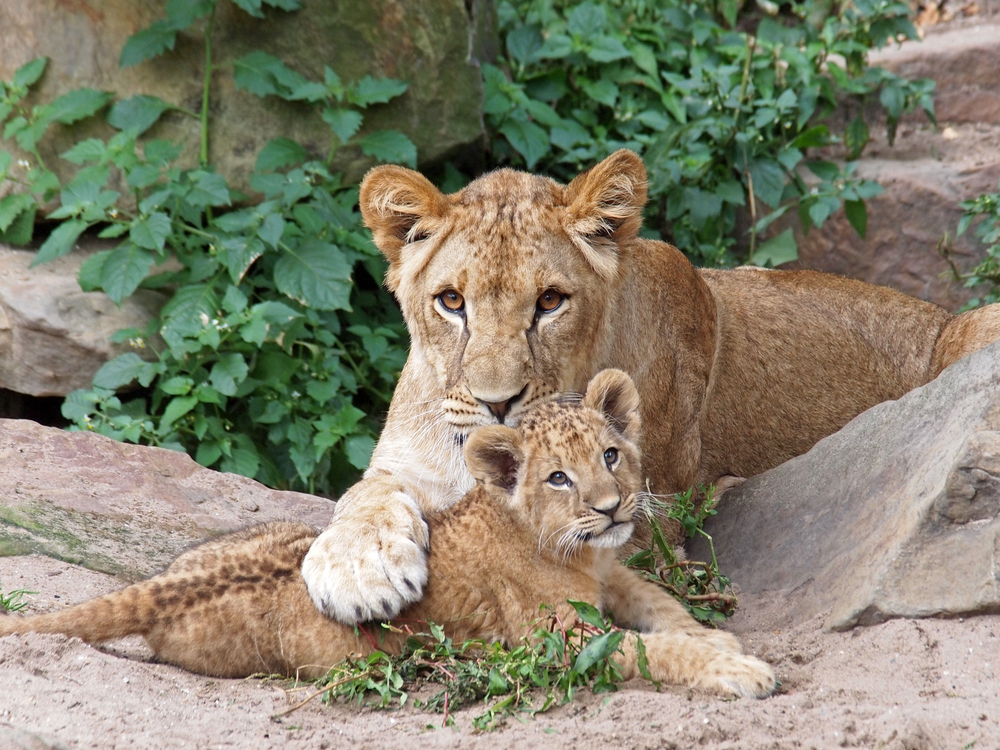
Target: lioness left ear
604,206
613,393
493,455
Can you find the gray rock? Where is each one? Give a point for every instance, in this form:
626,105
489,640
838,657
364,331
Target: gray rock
433,44
53,335
896,515
12,738
123,509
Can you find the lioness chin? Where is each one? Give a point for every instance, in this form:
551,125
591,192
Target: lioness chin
555,500
517,288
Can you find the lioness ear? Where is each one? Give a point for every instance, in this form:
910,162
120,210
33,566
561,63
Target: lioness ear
394,200
493,455
604,206
613,393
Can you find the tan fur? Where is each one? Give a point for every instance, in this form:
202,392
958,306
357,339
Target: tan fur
738,370
238,606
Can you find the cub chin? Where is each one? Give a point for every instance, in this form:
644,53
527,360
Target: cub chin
554,499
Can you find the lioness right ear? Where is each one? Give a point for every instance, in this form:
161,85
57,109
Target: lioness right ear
493,455
613,393
394,201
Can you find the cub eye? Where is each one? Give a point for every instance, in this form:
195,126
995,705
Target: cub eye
611,457
549,300
558,479
452,300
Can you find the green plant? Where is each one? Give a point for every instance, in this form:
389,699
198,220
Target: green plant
555,662
987,208
724,118
278,350
13,601
699,586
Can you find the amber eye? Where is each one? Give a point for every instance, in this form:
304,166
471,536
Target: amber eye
558,479
452,300
549,300
611,457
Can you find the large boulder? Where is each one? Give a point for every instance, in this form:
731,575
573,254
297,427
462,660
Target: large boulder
123,509
896,515
53,336
432,44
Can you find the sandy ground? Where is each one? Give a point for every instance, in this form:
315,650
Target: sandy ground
912,685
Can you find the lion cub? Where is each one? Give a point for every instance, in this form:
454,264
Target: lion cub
554,500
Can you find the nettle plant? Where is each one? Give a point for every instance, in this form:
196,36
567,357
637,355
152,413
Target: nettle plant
984,211
724,118
270,359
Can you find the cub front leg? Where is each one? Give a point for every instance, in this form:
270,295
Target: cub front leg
372,559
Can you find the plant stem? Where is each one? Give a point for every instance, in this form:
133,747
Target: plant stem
206,88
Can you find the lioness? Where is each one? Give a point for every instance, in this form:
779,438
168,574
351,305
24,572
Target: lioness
555,500
517,287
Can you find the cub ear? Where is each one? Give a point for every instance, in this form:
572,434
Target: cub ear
493,455
613,393
394,200
605,206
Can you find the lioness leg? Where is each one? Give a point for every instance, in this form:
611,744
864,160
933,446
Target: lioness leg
372,559
965,334
683,659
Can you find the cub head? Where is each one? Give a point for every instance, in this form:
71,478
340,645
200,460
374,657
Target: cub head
505,285
571,469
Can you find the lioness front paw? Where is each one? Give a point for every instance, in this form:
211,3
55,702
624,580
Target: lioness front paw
371,562
742,675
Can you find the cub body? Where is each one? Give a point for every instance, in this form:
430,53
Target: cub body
555,500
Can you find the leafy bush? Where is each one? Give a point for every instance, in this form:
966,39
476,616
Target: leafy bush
268,360
724,118
987,271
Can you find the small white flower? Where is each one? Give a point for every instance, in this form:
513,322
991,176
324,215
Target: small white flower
204,319
137,343
23,163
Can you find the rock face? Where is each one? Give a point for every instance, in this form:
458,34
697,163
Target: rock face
123,509
896,515
53,336
429,43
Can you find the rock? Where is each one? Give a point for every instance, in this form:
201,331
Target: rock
12,738
905,225
123,509
896,515
965,63
428,43
53,335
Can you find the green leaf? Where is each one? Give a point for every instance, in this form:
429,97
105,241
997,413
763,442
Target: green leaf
528,139
148,43
606,49
588,613
21,229
777,250
151,231
259,73
315,273
358,449
598,648
76,105
228,372
280,152
209,190
390,146
183,13
603,91
60,242
525,43
90,150
768,180
12,206
137,113
91,271
124,369
893,99
376,90
208,453
825,170
644,58
124,269
253,7
176,409
857,215
813,137
272,229
29,73
856,137
343,122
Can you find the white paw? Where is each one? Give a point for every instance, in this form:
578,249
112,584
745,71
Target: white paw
371,561
742,675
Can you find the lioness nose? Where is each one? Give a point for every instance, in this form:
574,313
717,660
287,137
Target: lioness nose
499,408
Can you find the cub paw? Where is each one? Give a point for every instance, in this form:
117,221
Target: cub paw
745,676
371,562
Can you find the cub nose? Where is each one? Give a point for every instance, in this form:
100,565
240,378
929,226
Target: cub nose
610,508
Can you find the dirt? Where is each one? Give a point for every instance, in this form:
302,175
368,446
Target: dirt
905,684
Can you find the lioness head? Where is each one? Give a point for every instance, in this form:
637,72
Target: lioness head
571,469
504,285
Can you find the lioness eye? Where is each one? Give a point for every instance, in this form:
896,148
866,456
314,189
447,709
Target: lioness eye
558,478
452,300
549,300
611,457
